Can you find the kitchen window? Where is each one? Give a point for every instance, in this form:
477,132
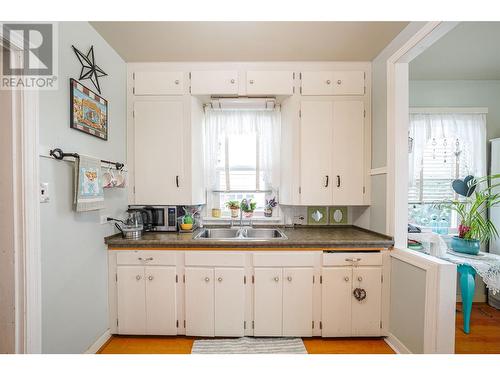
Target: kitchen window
241,156
442,147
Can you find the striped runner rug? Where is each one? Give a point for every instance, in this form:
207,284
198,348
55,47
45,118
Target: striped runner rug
250,345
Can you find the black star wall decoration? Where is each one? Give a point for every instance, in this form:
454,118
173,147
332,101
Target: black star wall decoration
89,68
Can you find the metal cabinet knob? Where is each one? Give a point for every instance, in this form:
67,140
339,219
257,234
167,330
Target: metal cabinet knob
177,81
346,278
360,278
150,277
207,279
219,279
276,279
251,81
233,80
339,82
328,81
289,278
138,277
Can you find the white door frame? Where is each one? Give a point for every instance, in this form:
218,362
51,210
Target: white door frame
439,333
28,325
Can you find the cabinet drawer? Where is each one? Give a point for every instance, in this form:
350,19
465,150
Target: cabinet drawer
144,257
349,259
214,82
280,259
214,259
269,83
158,83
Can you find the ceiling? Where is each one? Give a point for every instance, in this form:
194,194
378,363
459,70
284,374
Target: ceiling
469,51
248,41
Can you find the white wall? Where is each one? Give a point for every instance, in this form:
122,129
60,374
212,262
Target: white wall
379,124
74,258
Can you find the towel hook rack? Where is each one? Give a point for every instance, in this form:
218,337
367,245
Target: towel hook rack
58,154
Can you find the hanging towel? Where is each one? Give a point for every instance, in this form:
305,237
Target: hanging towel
89,195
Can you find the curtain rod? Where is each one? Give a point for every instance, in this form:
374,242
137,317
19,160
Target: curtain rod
429,110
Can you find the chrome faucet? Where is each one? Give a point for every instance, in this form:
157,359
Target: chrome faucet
241,211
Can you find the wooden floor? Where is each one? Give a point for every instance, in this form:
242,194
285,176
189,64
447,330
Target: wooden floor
483,339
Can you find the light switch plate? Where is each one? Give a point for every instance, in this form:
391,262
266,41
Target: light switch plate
44,192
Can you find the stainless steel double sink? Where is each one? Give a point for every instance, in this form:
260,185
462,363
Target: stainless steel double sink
242,234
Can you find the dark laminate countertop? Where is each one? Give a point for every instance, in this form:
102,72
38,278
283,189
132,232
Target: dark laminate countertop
346,238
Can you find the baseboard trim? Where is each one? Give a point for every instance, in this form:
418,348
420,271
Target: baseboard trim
94,348
396,345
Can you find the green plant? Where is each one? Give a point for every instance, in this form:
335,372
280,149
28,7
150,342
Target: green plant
233,205
472,210
248,205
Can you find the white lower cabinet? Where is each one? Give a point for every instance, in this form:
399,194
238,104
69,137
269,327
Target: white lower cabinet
146,300
215,301
283,301
344,315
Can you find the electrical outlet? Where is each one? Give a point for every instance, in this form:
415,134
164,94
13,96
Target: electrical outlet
104,219
44,192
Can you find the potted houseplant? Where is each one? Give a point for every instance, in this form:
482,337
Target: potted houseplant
268,209
248,207
234,206
474,227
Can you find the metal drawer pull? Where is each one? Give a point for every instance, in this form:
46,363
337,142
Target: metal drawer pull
150,278
207,279
328,81
346,278
145,259
352,259
138,277
233,81
219,279
360,278
276,279
289,278
339,82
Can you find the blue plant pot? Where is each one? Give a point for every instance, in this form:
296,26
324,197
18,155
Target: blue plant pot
461,245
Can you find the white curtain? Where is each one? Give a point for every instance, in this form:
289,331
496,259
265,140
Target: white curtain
468,128
260,127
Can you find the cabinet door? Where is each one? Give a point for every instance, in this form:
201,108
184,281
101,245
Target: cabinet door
229,301
158,83
269,83
317,83
366,314
297,301
268,302
348,83
316,136
158,166
348,153
131,301
336,301
161,307
199,301
214,82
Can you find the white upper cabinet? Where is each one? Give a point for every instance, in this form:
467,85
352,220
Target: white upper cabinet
269,83
221,82
333,83
158,83
158,144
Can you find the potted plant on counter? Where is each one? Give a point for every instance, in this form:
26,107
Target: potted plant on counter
268,209
234,206
248,207
474,226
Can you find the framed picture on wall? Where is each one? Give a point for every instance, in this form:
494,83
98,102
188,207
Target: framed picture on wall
89,111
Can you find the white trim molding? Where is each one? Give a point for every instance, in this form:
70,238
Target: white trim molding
378,171
101,340
396,345
472,110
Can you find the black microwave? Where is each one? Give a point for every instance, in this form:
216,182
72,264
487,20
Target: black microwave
157,218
